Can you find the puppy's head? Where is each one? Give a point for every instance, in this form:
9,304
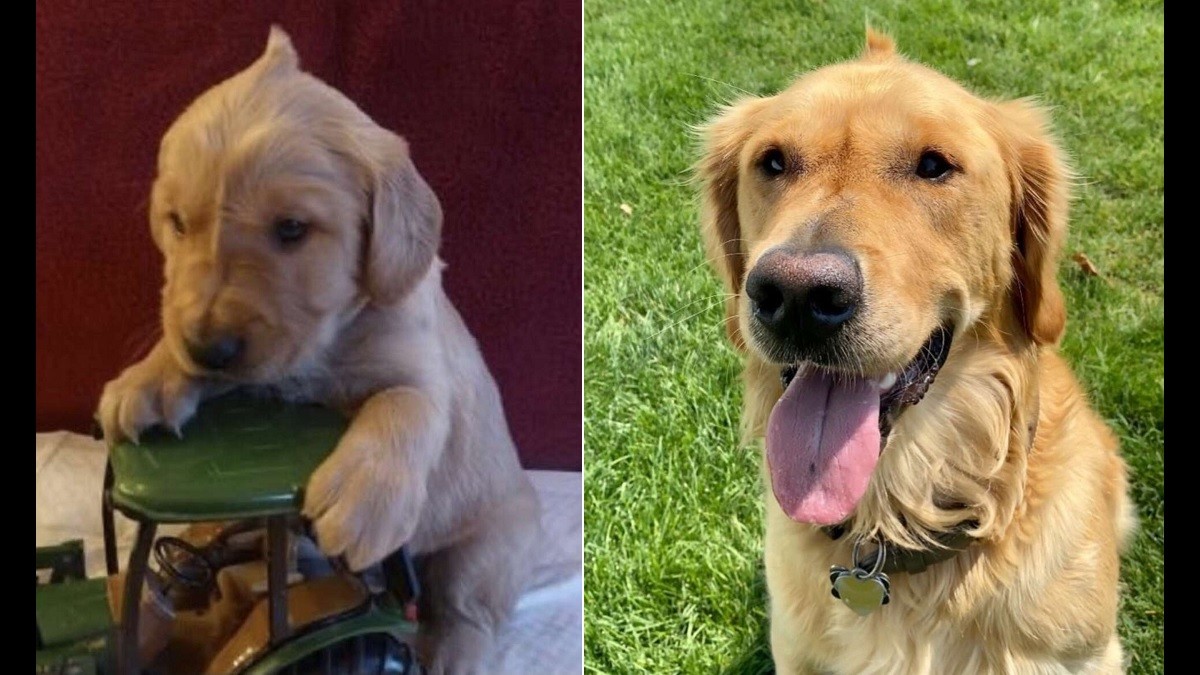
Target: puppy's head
860,220
280,209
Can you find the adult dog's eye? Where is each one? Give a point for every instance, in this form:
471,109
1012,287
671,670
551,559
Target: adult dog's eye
773,163
176,222
933,165
290,230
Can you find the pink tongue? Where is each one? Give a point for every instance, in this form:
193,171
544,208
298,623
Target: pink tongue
822,445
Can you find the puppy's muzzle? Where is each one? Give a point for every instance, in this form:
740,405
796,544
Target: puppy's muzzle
804,299
217,353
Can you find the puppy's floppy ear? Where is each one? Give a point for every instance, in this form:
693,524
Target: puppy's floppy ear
1040,181
404,219
717,172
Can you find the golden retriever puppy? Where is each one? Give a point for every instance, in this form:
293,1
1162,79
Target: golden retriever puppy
889,243
301,257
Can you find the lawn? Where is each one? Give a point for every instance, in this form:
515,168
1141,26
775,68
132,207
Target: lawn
672,504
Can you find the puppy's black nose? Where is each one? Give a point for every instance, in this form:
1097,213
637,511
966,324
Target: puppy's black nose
804,298
216,353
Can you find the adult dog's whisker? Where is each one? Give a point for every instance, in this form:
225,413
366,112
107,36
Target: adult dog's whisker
686,319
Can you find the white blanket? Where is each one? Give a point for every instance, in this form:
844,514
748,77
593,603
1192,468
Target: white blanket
545,635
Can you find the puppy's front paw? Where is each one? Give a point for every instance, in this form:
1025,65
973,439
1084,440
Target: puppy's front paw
146,394
361,502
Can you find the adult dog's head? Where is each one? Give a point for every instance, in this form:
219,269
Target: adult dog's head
862,220
281,209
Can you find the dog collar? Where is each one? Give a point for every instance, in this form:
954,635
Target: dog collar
865,587
912,561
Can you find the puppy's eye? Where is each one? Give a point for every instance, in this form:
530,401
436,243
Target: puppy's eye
933,165
289,230
177,222
773,163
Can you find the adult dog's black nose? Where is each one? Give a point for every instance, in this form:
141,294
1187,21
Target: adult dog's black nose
804,298
216,353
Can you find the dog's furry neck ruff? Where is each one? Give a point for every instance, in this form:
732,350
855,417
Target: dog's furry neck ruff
946,545
914,561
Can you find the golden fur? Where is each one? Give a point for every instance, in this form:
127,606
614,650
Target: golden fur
353,316
1038,593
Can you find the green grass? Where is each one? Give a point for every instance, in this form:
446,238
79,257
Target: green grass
672,505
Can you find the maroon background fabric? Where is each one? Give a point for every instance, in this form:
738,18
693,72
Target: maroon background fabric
488,94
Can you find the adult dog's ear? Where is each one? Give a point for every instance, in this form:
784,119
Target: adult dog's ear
1040,181
717,172
403,224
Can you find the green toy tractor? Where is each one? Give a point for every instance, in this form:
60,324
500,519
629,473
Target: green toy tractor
243,588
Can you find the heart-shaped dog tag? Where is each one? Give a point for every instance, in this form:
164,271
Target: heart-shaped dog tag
859,589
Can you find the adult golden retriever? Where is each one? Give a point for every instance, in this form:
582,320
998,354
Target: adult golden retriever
889,244
301,256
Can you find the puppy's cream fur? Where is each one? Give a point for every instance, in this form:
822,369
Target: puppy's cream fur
353,316
1038,593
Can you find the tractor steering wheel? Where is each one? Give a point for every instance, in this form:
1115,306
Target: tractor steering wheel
183,563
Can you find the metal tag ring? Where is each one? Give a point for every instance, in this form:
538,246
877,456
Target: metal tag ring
880,559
